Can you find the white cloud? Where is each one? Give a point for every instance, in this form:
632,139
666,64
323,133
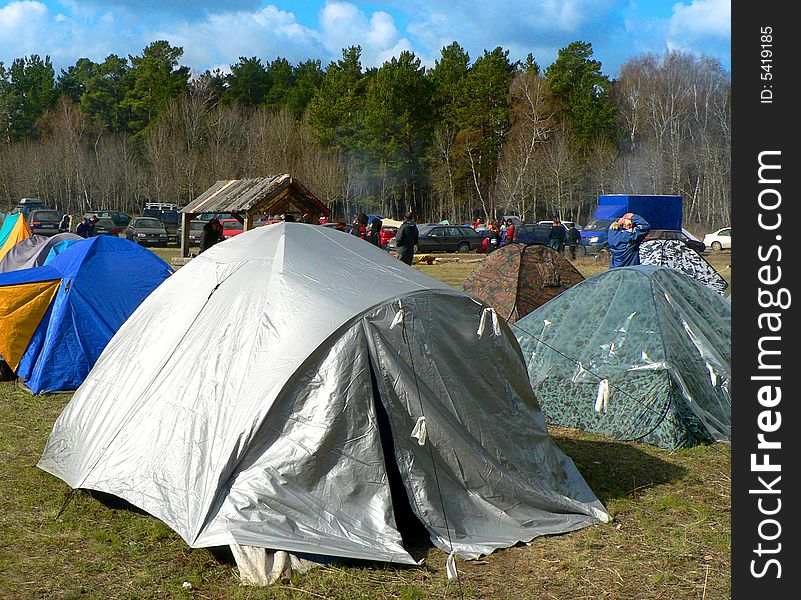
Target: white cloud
20,24
343,24
266,33
701,27
701,18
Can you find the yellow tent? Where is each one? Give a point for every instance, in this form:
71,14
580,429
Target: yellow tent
22,307
16,233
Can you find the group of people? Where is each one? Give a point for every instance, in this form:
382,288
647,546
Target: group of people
367,230
86,228
624,238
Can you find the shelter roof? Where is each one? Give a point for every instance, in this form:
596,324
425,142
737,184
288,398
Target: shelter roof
275,194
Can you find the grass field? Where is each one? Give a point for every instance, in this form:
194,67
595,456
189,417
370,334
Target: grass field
670,537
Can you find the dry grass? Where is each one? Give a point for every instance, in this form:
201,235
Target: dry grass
670,537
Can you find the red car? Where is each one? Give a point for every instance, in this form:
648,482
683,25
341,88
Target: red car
231,227
387,233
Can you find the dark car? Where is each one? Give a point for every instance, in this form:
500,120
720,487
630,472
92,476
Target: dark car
146,231
120,219
531,233
445,238
671,234
105,226
26,205
45,221
195,231
347,227
170,219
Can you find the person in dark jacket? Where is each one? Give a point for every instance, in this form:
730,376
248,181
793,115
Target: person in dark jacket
92,225
406,239
83,228
211,234
573,239
557,236
493,239
359,225
64,226
624,238
374,235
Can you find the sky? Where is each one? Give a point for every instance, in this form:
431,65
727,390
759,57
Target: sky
216,33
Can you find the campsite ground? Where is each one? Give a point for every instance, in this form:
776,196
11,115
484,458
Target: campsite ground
670,538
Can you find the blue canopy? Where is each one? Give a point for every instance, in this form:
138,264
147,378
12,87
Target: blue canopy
104,279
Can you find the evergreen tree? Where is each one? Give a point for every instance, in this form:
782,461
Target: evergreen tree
397,121
335,112
583,93
29,91
156,80
483,120
282,80
248,83
308,78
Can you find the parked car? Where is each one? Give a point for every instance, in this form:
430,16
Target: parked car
146,231
170,219
347,228
195,231
26,205
120,219
45,221
565,224
718,240
105,226
387,233
532,233
231,227
445,238
671,234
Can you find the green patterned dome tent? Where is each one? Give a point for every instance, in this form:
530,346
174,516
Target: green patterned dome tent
634,353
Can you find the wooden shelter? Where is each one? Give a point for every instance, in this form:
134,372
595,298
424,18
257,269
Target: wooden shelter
245,199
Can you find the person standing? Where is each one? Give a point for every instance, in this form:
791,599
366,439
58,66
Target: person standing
64,226
92,224
211,234
493,238
359,225
83,228
509,233
374,235
624,237
406,239
557,236
573,239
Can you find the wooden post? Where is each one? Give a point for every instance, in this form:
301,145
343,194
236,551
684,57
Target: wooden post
185,219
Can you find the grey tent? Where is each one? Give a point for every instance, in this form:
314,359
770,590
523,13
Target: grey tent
32,251
634,353
295,388
678,255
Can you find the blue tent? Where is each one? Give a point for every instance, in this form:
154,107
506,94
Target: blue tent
103,280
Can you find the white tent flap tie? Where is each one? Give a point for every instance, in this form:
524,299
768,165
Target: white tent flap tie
420,433
450,566
602,399
496,326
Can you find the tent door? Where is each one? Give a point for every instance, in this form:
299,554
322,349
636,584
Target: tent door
412,530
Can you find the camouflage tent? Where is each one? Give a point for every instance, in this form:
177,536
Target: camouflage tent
678,255
634,353
517,278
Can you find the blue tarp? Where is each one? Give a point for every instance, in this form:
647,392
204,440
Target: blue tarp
104,279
